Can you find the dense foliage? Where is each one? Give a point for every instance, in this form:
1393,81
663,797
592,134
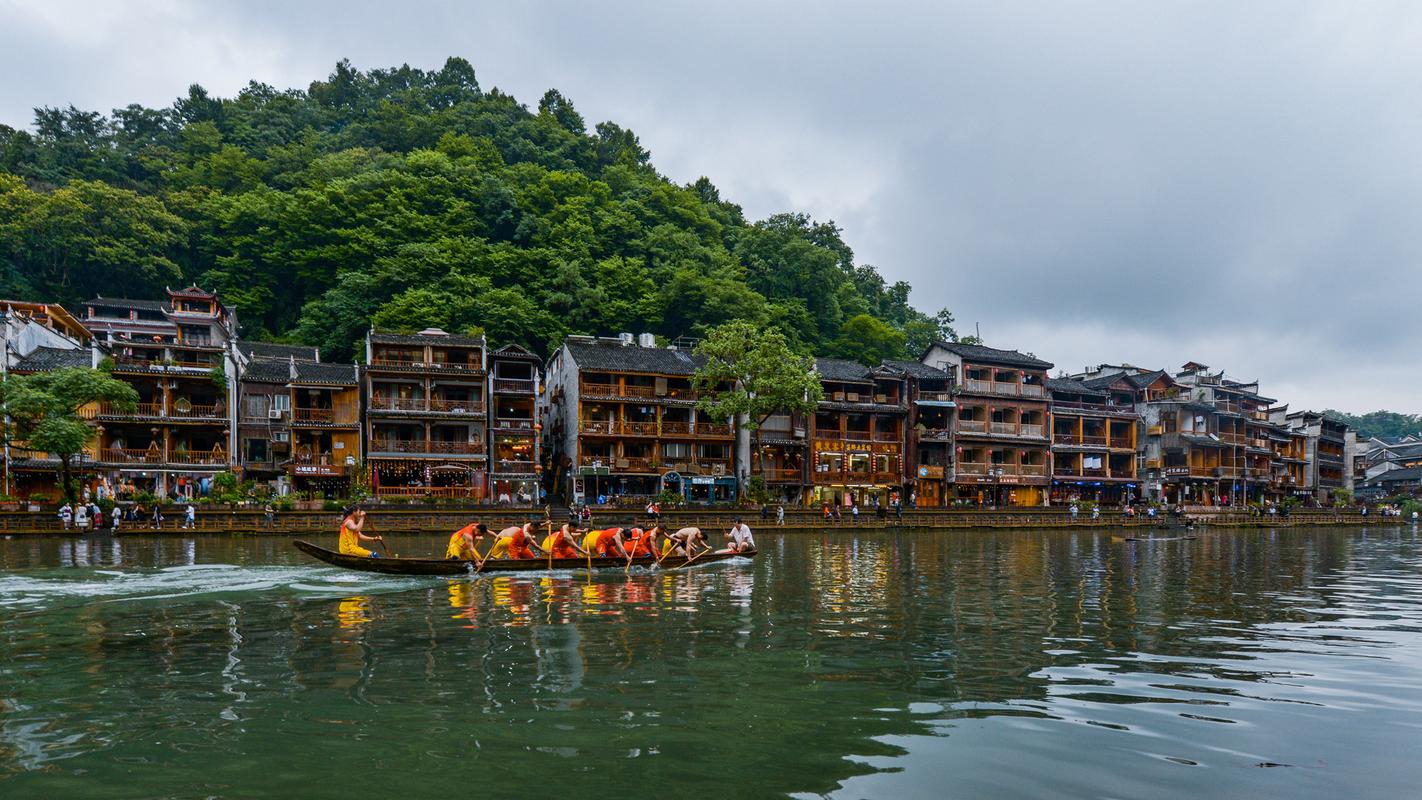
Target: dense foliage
1384,424
42,411
410,198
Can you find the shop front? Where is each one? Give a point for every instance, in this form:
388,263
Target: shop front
999,491
701,489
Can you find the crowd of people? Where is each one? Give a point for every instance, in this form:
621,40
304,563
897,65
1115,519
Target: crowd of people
575,539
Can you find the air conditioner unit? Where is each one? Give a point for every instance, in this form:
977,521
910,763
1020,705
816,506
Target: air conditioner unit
275,413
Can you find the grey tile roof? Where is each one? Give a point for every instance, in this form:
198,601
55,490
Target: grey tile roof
919,370
124,302
268,370
274,350
1145,379
1395,475
1069,386
982,354
837,369
446,340
313,372
44,359
615,357
514,351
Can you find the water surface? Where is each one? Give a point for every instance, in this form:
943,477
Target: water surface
917,664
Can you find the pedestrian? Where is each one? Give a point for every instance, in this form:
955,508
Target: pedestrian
156,522
780,515
66,515
854,513
1074,512
270,514
189,517
1096,512
81,517
764,512
114,519
899,512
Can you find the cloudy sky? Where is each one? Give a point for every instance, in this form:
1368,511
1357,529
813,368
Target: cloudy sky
1151,183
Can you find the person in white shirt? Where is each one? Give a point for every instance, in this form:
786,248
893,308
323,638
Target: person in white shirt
739,539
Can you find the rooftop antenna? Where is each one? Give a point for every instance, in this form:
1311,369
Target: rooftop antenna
978,331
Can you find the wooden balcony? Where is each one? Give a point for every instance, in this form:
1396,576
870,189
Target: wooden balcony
514,386
140,411
518,424
322,416
935,435
712,429
780,475
128,455
971,468
412,365
616,391
501,466
446,405
1032,470
1119,443
1034,430
972,426
425,447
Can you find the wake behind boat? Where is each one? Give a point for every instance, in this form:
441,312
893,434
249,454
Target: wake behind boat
449,566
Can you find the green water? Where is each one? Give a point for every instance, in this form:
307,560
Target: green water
962,664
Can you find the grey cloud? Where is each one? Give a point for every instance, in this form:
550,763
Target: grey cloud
1094,182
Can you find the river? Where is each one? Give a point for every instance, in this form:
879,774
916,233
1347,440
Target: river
853,664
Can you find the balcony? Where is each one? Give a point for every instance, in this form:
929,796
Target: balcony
972,426
513,386
887,436
1122,443
508,467
132,455
416,365
321,416
141,364
520,424
109,410
935,435
713,429
185,410
1032,470
935,397
384,404
972,468
1079,441
1155,430
615,391
425,447
780,475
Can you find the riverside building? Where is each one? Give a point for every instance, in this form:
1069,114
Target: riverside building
426,415
622,425
1002,453
1094,437
928,449
857,435
180,355
515,460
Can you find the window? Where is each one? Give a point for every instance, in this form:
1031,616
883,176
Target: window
672,450
256,405
256,450
281,402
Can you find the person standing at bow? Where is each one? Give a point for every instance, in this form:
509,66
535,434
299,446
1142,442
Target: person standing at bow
352,534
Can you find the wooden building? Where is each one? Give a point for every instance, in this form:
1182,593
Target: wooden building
1002,456
426,412
858,435
621,425
1094,430
928,449
179,354
515,458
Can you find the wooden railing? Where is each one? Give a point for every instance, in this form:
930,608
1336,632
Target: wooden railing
121,455
1031,429
514,385
513,424
614,390
935,435
972,426
1122,444
505,466
194,411
780,475
198,457
421,446
446,405
713,429
325,416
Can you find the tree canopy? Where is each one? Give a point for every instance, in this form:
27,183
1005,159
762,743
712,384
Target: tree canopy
405,197
1385,424
43,410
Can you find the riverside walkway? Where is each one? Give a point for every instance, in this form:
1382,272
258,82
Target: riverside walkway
443,520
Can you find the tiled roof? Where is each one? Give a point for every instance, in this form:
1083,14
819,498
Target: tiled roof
919,370
616,357
837,369
1145,379
514,351
273,350
982,354
446,340
1395,475
268,370
124,302
313,372
44,359
1069,386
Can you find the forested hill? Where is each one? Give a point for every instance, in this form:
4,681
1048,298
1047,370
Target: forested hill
1383,424
412,198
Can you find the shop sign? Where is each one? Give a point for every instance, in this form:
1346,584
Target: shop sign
317,469
700,481
1177,470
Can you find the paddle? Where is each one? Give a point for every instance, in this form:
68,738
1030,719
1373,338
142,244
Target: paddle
693,558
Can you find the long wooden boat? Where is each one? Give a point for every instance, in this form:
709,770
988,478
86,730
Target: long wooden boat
445,566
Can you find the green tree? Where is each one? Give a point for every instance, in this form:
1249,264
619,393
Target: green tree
868,340
751,373
44,411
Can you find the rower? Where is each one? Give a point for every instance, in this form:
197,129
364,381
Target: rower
684,542
738,539
462,541
643,543
563,543
605,543
514,541
352,521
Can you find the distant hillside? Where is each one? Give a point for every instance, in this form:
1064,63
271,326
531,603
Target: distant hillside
1386,424
412,198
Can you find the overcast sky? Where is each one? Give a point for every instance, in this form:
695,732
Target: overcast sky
1237,184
